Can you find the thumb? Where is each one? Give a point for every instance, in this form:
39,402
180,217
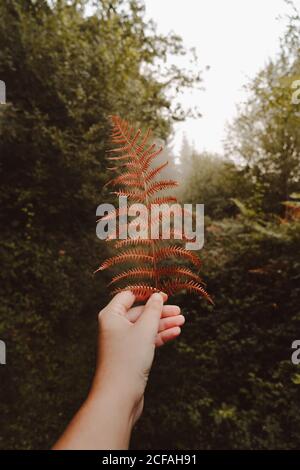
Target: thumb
148,322
121,303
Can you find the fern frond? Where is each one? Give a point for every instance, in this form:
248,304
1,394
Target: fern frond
141,291
134,157
160,186
170,251
127,179
128,147
130,255
179,271
134,273
146,153
147,158
144,142
164,200
133,241
120,157
191,286
154,172
137,196
131,165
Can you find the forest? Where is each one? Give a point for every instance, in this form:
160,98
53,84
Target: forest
230,376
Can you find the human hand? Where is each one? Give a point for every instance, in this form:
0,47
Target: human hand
127,340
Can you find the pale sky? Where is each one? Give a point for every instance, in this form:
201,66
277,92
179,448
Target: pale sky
235,38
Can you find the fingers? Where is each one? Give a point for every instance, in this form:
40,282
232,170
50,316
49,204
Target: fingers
167,335
121,303
168,311
164,296
170,322
149,319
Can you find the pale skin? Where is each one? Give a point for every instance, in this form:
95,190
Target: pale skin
128,337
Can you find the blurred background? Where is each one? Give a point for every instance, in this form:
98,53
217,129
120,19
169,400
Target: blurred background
217,82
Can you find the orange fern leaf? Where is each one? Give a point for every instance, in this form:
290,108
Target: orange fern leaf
134,155
160,186
134,273
155,171
141,291
179,271
120,157
137,196
165,253
191,286
164,200
144,141
133,241
147,158
130,255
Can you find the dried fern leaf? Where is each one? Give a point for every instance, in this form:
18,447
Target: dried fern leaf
172,251
154,172
134,156
145,271
133,241
160,186
137,196
191,286
164,200
141,291
130,255
179,271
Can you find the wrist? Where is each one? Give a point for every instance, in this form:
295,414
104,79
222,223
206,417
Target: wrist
114,411
116,393
123,383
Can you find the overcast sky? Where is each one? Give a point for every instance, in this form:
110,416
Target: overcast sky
235,38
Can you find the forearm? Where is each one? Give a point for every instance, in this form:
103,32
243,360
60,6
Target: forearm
104,421
128,336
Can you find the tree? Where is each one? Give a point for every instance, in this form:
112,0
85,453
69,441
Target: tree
213,181
265,136
66,70
65,74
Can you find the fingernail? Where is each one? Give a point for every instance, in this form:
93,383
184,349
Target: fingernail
156,295
164,295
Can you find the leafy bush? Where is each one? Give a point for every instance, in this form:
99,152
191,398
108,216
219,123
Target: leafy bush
229,382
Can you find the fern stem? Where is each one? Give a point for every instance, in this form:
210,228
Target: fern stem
148,203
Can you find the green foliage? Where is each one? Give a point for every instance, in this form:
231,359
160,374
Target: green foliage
47,319
65,74
65,71
212,180
229,383
265,135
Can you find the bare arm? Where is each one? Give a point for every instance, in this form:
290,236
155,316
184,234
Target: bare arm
127,340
